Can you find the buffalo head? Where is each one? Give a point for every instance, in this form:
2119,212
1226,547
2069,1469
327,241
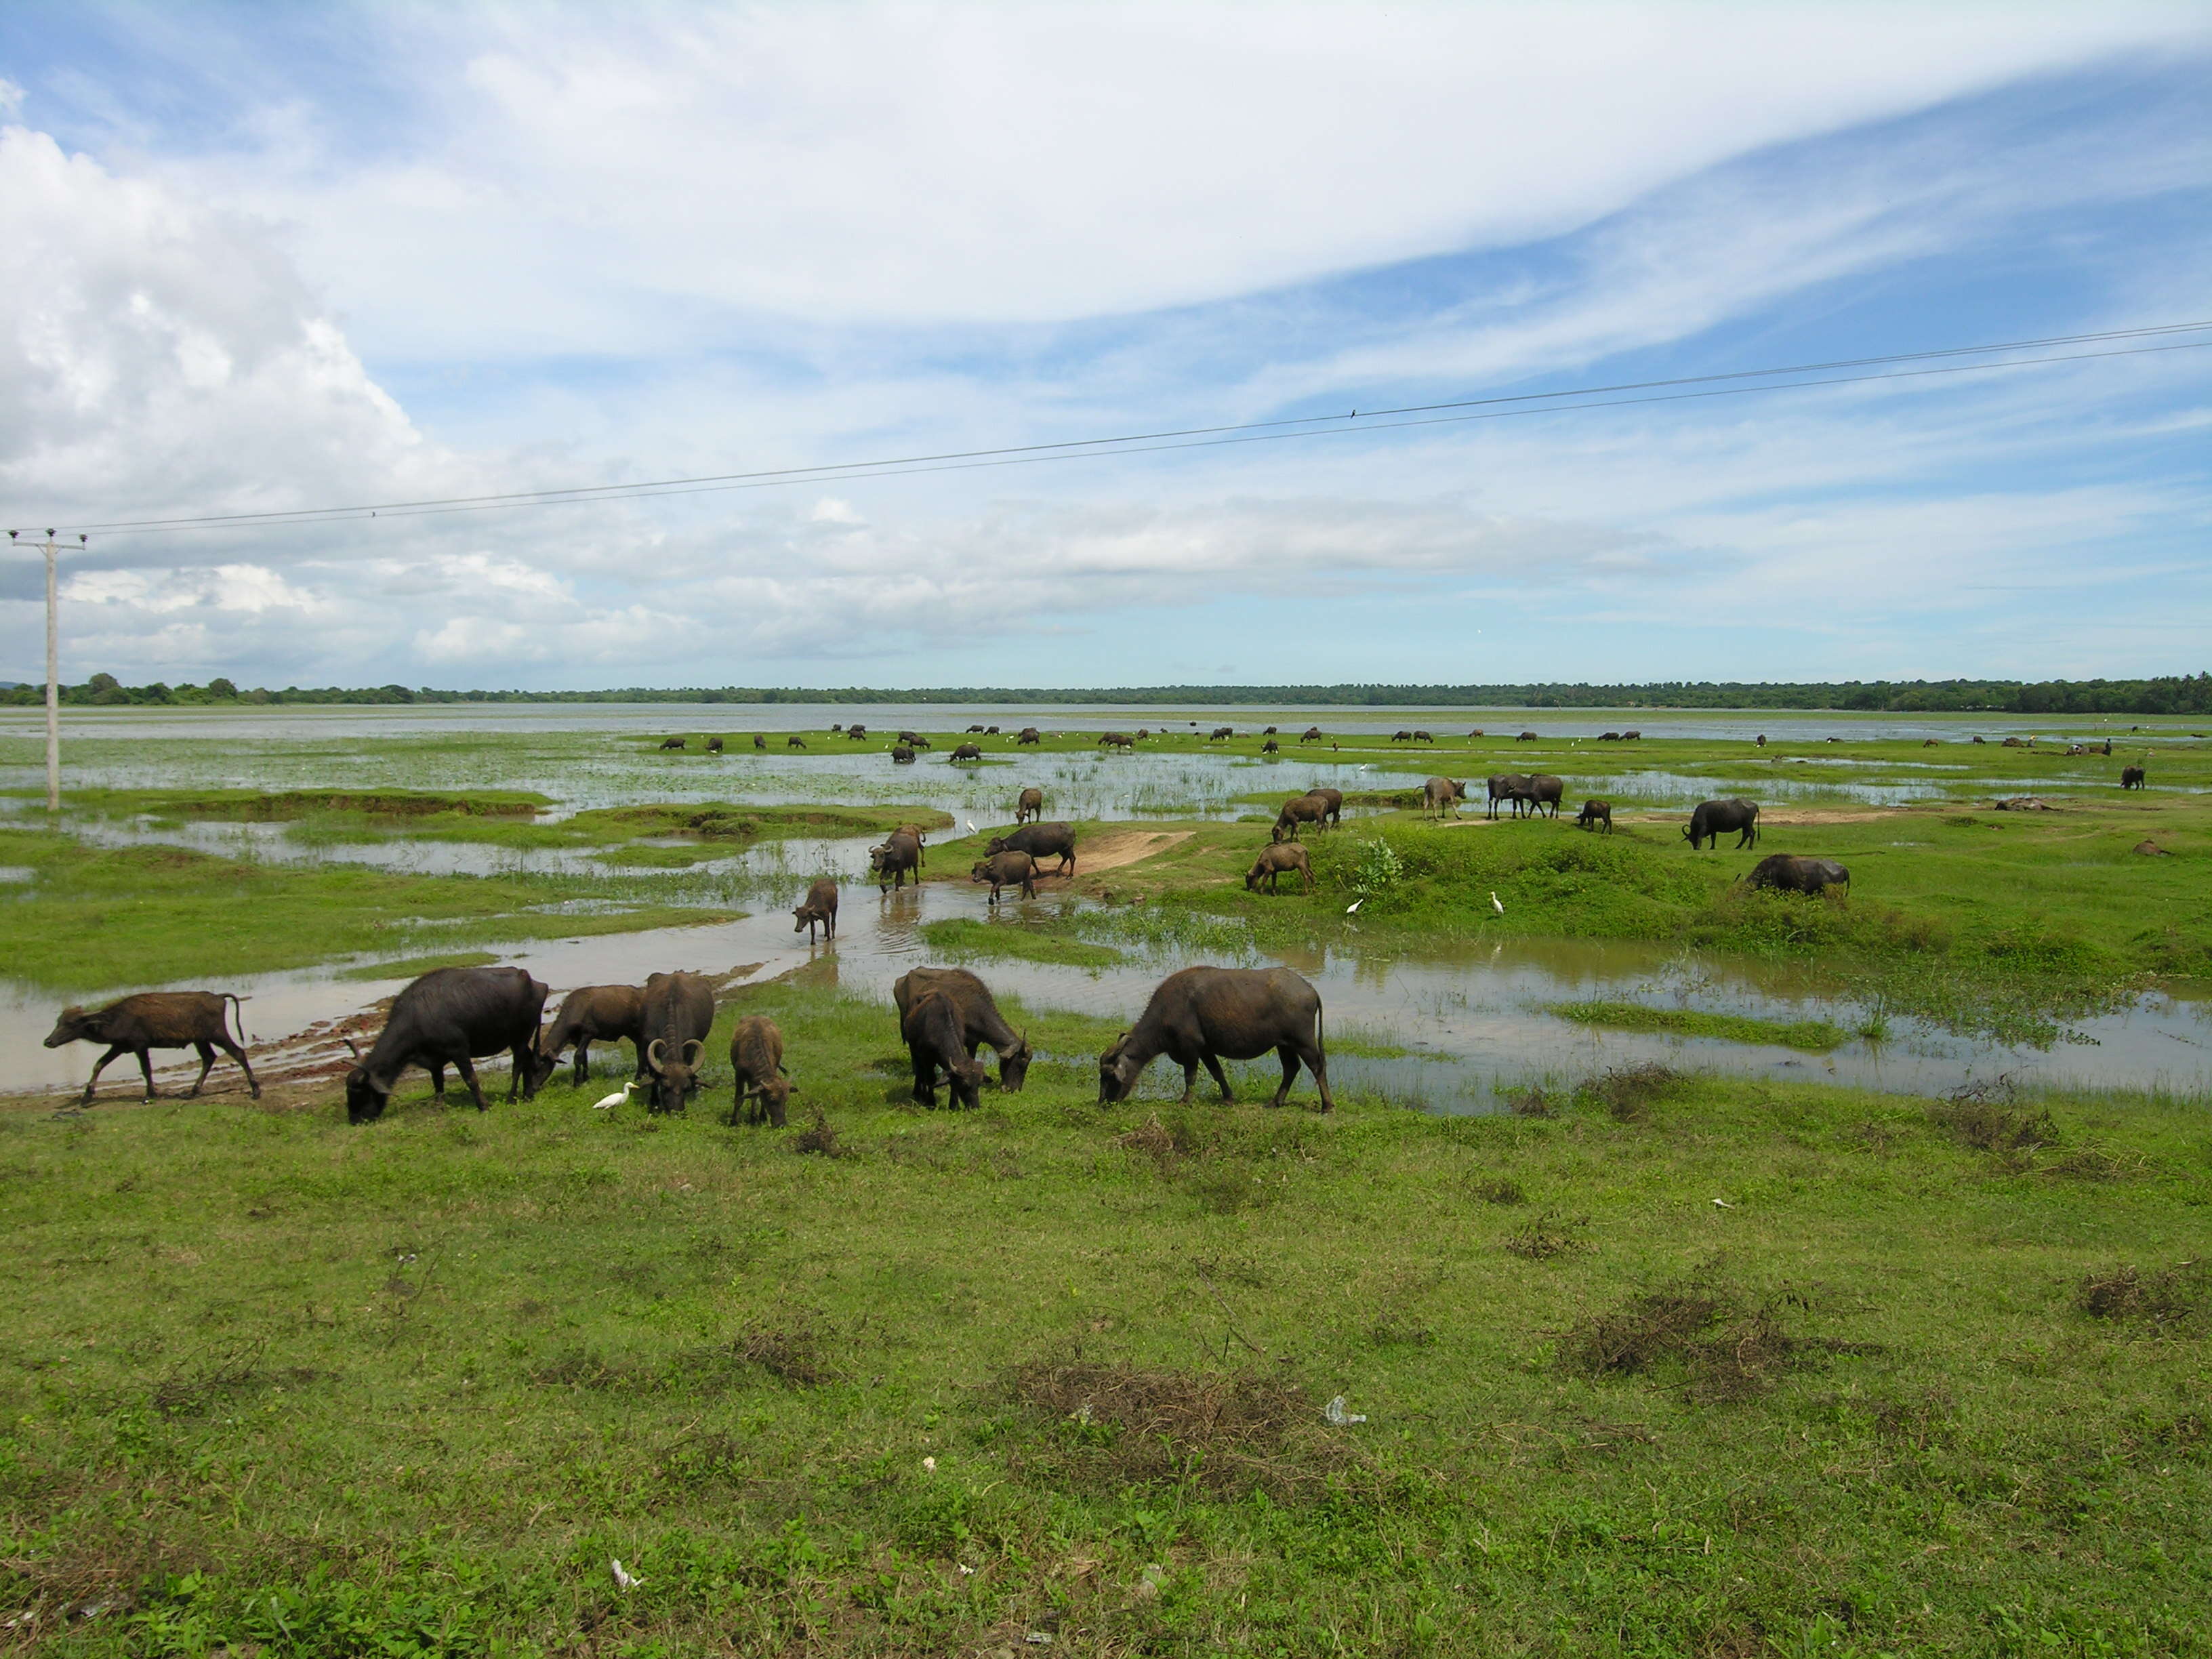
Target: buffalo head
366,1098
1117,1075
1014,1065
74,1025
673,1080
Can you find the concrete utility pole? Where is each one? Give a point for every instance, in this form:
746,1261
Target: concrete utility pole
53,677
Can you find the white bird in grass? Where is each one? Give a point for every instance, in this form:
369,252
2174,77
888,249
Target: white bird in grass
624,1580
971,825
1496,905
1355,904
614,1100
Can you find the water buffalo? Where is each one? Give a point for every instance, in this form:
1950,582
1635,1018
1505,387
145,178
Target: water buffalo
1116,740
1442,796
820,909
1510,786
1526,737
967,752
856,733
1762,740
1473,735
1028,735
1423,737
920,842
1593,813
1143,732
1401,736
975,729
1040,841
759,742
158,1019
757,1058
890,862
990,731
1715,818
1299,809
1632,736
937,1040
1267,732
1200,1015
1271,747
836,731
2131,777
909,737
679,1012
1333,799
1220,732
672,743
714,745
1274,860
981,1022
1790,873
1545,790
1312,734
1030,806
1006,869
900,754
794,741
589,1014
1978,739
1608,737
450,1017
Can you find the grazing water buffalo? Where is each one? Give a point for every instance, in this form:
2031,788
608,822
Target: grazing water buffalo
759,742
158,1019
1401,737
1200,1015
757,1058
1006,869
714,745
981,1022
1545,792
2131,777
1267,732
1312,734
990,731
1762,740
891,861
1040,841
1790,873
856,733
967,752
794,741
1030,806
836,731
1333,799
1442,796
1274,860
1715,818
589,1014
1473,735
1510,786
450,1017
909,737
975,728
1029,734
936,1040
1632,737
679,1012
672,743
1978,739
1221,732
1526,737
1271,747
1116,740
1299,809
1593,813
820,909
900,754
1423,737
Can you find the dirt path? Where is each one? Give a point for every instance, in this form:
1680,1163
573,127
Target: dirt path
1111,852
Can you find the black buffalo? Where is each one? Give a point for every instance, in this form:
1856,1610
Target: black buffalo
1791,873
589,1014
1544,793
1312,734
1274,861
899,855
820,908
679,1012
901,755
2131,777
937,1041
1507,787
1333,799
1593,813
981,1022
1040,842
450,1017
158,1019
1198,1016
1028,735
967,752
1715,818
672,742
1006,870
1299,809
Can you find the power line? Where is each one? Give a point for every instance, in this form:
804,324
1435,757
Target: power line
1485,408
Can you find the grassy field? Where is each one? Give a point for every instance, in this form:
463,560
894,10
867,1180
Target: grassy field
1662,1366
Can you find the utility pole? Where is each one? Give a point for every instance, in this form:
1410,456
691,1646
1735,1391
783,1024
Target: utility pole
53,676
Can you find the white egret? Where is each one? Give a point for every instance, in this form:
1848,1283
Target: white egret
1355,904
616,1099
1496,905
971,825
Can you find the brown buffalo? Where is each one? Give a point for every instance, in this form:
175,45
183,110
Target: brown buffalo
1275,860
2131,777
1029,734
680,1012
589,1014
899,854
158,1019
1593,813
1299,809
1333,799
1004,869
1312,734
756,1059
1442,796
981,1022
1028,806
1200,1015
967,752
820,909
1788,873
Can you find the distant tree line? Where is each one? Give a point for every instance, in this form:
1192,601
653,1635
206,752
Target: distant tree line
2182,694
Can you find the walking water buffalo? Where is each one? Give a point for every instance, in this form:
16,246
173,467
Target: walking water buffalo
1029,734
936,1040
2131,777
1423,737
1442,797
158,1019
920,842
1333,799
855,733
1116,740
1545,793
1473,735
1274,860
679,1012
1220,732
1201,1015
1299,809
794,741
1790,873
1028,806
756,1060
1401,737
1006,869
759,742
1526,737
1312,734
901,755
1593,813
672,743
1509,786
1715,818
714,745
450,1017
981,1022
899,854
1040,842
967,752
820,909
589,1014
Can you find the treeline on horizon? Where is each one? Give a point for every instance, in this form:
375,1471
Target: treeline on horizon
2170,694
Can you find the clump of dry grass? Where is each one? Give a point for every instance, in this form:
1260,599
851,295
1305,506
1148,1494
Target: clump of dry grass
1627,1092
1728,1346
1500,1189
1531,1102
1548,1235
1234,1431
2168,1297
820,1138
216,1375
1987,1117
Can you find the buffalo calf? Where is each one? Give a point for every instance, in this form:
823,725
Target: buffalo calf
158,1019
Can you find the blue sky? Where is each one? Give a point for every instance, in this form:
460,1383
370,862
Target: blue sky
278,257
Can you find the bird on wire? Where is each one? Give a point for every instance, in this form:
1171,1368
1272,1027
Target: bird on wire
615,1099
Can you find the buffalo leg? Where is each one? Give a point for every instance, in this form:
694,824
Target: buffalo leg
1213,1065
468,1071
925,1075
238,1054
91,1082
146,1071
206,1065
580,1072
438,1081
1289,1056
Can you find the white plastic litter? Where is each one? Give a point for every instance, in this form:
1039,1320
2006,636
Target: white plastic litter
624,1581
1337,1418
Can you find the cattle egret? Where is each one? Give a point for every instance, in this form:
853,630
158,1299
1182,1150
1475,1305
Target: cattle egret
1724,1203
624,1580
1496,905
616,1099
1355,904
971,826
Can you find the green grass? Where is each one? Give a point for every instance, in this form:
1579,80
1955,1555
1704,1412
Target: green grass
962,939
95,918
272,1383
1815,1036
411,967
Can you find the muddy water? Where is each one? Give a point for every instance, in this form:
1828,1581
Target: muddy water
1471,1013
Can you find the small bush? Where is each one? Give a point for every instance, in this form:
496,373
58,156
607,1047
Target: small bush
1988,1117
1728,1346
1548,1235
1627,1092
820,1138
2170,1296
1531,1102
1499,1189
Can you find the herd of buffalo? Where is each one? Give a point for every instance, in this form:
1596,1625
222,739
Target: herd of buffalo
1198,1016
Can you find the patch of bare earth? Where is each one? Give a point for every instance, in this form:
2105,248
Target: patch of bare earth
1111,852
